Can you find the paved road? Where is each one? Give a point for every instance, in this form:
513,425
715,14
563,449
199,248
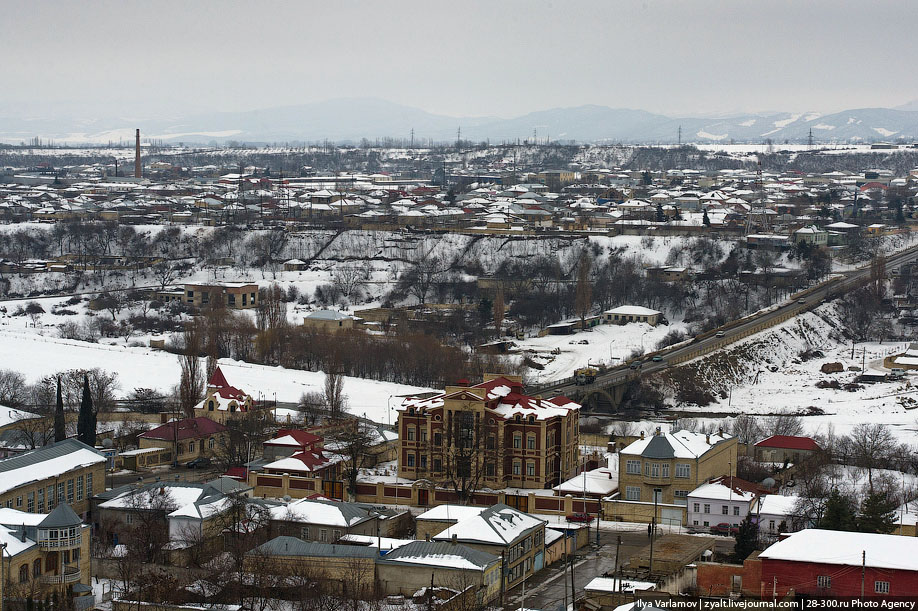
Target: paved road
546,590
735,331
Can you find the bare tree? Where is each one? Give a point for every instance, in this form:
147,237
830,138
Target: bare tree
191,383
311,406
871,445
583,297
13,388
335,399
349,279
746,429
499,310
350,444
784,423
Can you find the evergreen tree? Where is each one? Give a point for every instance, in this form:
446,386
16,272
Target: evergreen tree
839,513
877,514
747,540
60,425
661,216
86,423
704,218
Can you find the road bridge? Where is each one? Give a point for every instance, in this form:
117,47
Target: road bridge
608,390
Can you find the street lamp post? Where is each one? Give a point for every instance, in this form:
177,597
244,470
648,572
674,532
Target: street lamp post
2,574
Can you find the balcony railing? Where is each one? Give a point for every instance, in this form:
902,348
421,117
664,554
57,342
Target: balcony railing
70,574
81,603
60,542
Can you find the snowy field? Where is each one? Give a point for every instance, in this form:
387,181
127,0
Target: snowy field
35,356
604,344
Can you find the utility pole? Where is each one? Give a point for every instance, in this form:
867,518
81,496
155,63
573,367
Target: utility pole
618,546
573,591
411,146
680,135
863,570
653,529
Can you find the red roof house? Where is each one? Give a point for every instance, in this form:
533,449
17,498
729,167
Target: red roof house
785,448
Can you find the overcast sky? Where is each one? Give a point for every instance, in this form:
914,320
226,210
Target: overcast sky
462,57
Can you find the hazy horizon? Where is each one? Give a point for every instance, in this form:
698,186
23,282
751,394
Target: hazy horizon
701,58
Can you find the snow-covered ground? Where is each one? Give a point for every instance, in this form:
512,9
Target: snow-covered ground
35,356
768,377
603,344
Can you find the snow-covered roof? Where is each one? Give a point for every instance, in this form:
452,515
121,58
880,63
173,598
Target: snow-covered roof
721,492
628,310
450,513
777,505
846,548
9,415
47,462
602,481
441,554
682,444
329,513
382,543
610,584
496,525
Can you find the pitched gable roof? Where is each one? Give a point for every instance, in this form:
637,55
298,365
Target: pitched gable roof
788,442
187,428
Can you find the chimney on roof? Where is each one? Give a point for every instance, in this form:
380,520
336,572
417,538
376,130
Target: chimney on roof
427,537
707,439
642,434
138,169
455,539
720,431
657,431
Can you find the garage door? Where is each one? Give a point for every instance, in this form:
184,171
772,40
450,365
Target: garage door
671,517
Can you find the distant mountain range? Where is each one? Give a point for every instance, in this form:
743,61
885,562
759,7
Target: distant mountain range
353,119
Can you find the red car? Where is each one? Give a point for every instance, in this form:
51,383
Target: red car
580,517
724,528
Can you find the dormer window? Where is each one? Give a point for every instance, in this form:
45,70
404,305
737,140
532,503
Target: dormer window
531,419
519,418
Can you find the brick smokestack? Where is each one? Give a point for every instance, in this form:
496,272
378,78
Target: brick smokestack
138,169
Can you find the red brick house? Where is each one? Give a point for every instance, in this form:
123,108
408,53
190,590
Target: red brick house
491,433
828,563
189,438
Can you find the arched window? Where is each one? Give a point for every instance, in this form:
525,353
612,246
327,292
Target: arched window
36,568
23,573
531,419
210,406
211,443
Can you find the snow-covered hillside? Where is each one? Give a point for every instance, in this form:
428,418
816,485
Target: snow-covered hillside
36,355
767,373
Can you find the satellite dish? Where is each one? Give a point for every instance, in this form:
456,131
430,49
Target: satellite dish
107,443
790,484
287,498
768,482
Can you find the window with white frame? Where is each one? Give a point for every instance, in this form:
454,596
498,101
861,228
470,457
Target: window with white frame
881,587
824,581
633,467
664,470
707,508
516,468
696,507
683,469
736,510
632,493
725,510
530,469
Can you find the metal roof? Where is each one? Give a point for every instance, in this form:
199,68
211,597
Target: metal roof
422,549
292,546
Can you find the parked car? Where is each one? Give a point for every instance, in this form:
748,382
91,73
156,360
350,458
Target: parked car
197,463
657,359
580,517
720,334
636,365
724,528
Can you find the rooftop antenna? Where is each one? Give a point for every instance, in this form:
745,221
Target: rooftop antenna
411,146
680,135
459,139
